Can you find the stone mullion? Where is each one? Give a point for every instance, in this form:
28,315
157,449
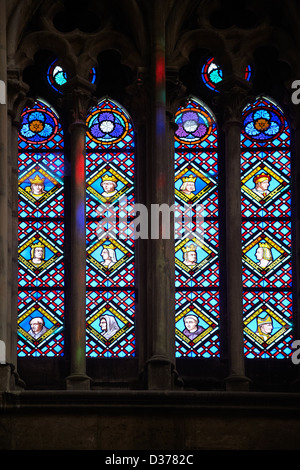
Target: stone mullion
3,186
77,99
234,96
139,99
16,101
160,322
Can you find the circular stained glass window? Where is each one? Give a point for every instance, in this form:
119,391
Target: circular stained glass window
212,74
193,125
39,125
107,126
263,124
57,77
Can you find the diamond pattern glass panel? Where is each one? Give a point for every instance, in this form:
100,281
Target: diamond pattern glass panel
41,233
196,232
110,235
266,231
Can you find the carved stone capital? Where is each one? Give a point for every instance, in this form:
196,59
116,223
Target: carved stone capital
17,97
235,94
77,99
139,97
175,90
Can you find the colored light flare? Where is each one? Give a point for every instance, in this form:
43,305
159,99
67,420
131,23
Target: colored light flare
160,76
160,70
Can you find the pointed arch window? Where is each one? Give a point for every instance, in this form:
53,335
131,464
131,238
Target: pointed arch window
41,233
196,232
266,231
110,236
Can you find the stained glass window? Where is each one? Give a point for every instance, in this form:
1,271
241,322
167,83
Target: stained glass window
110,235
196,232
266,230
212,74
41,233
57,76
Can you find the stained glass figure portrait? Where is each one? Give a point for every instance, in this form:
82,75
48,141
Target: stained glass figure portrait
196,249
266,231
41,233
110,240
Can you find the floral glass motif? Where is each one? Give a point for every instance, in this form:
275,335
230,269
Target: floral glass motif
56,76
110,235
212,74
196,232
266,231
41,233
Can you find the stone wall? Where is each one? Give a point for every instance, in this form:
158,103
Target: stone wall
149,421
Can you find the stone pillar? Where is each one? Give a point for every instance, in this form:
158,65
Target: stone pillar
8,376
77,98
234,96
161,274
16,101
3,180
5,371
138,105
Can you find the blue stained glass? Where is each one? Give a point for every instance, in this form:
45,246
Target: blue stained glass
57,77
212,74
196,253
110,246
36,127
41,233
266,231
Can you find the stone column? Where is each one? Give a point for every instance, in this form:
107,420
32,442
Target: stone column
77,98
4,321
160,322
16,101
138,105
3,177
234,96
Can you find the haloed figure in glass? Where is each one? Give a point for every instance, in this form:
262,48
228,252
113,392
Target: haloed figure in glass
109,256
37,327
262,182
264,254
37,186
190,255
109,184
192,327
37,253
264,327
188,185
108,325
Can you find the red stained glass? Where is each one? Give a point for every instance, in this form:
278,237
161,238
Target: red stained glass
196,232
266,231
110,234
41,233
